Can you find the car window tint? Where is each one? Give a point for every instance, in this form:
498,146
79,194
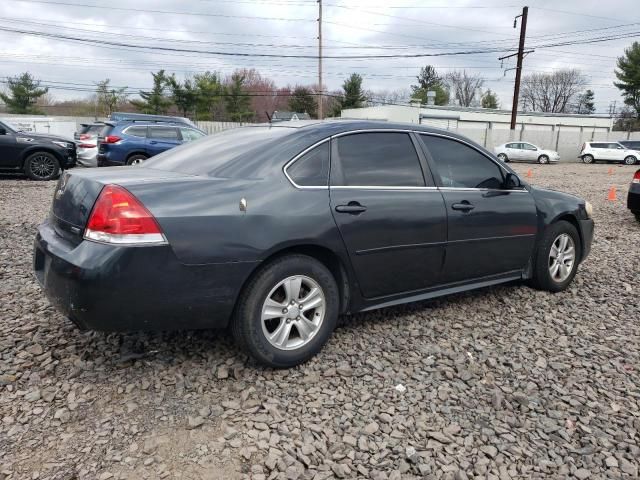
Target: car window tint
514,146
165,133
527,146
614,145
598,145
461,166
311,169
378,159
137,131
189,134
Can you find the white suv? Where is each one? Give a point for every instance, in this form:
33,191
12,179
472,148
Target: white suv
608,152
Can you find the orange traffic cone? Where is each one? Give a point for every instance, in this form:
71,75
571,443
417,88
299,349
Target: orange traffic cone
529,173
610,172
612,194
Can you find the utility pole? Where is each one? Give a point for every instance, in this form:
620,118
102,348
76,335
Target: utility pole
521,53
320,113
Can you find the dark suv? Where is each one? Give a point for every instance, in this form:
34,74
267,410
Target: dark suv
132,139
40,156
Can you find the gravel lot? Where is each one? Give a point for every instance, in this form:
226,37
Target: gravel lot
502,383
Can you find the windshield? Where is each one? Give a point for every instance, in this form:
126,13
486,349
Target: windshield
229,154
10,126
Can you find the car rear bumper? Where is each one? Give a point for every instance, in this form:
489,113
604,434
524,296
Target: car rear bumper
88,157
633,198
586,234
104,161
119,288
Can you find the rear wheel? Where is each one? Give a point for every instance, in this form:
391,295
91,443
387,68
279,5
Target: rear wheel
41,166
287,311
587,158
136,159
557,256
630,160
503,157
543,159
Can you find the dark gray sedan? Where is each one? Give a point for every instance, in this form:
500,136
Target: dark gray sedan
276,230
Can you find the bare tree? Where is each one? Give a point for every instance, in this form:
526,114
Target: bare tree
386,97
552,92
464,86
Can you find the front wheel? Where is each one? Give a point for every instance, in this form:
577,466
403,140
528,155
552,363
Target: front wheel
556,259
136,159
587,159
630,160
542,159
287,311
41,166
502,157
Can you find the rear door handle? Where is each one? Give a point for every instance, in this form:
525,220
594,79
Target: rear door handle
464,206
354,208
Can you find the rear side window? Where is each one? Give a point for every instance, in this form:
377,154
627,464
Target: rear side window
598,145
189,134
312,168
515,146
137,131
377,159
460,166
164,133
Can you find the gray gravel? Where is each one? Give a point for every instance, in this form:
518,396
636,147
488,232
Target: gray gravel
502,383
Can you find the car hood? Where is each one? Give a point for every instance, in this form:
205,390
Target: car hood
43,136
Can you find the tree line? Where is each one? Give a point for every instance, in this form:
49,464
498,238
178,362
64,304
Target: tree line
246,95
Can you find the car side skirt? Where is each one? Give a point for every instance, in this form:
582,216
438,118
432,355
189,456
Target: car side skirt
443,290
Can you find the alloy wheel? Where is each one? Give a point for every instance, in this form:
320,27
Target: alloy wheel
293,312
137,161
629,160
562,258
42,166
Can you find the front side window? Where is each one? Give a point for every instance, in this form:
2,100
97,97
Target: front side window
312,168
528,146
189,134
460,166
164,133
382,159
137,131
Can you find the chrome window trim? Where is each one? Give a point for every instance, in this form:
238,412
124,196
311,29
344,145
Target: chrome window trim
469,189
374,187
297,157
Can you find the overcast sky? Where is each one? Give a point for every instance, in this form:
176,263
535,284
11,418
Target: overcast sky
289,27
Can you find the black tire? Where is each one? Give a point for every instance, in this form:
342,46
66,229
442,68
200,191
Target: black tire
637,215
247,326
541,278
41,166
136,158
587,159
543,159
503,157
630,160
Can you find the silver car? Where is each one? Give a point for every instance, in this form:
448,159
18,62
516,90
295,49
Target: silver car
87,143
525,152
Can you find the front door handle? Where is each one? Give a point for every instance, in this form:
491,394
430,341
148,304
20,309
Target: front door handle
464,206
354,208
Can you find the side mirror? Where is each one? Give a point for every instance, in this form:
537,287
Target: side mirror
512,181
3,131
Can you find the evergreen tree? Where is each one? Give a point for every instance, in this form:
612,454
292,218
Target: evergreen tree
155,101
302,100
628,74
585,104
209,93
429,80
489,100
238,101
23,94
108,98
353,96
184,95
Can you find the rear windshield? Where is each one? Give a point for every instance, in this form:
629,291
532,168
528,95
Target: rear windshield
229,154
94,129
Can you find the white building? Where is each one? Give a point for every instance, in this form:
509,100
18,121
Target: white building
562,132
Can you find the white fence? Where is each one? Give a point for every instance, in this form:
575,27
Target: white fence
215,127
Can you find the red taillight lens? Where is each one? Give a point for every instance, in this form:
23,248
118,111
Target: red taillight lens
119,217
111,139
86,145
636,177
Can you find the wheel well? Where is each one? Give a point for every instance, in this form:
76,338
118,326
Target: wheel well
28,153
325,256
573,221
137,153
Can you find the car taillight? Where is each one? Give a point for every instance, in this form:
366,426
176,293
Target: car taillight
636,177
86,145
84,136
111,139
119,218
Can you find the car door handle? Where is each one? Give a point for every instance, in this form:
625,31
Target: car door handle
354,208
464,206
153,142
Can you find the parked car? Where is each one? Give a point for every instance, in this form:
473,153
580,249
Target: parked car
39,156
608,152
87,143
633,197
262,229
525,152
131,141
631,144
